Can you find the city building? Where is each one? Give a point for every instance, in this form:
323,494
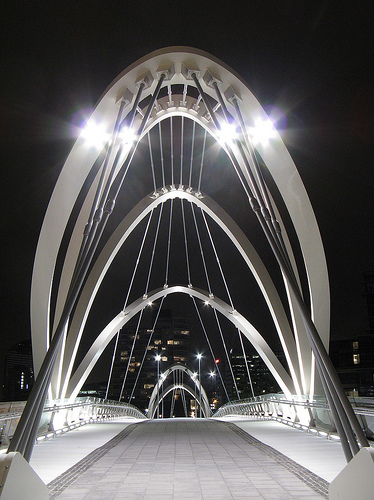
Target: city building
353,356
18,372
262,380
170,340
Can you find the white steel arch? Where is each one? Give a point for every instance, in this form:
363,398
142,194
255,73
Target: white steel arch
80,375
232,230
178,62
199,389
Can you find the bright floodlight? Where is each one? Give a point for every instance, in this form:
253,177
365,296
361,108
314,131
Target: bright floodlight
228,133
158,357
212,374
199,356
127,135
95,134
262,132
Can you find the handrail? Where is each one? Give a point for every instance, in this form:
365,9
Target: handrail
72,414
312,415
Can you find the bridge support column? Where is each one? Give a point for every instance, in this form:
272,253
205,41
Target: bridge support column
18,480
356,480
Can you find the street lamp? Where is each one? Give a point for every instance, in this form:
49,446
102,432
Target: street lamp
199,356
158,359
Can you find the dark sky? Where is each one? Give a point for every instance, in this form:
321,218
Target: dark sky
310,59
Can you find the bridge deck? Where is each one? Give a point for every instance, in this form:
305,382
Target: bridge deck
188,458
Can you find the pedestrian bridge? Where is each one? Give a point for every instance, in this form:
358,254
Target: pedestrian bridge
172,179
232,458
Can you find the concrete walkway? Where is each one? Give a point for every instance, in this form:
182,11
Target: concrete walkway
182,459
55,456
322,456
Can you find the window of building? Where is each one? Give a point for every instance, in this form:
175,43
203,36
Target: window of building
355,345
356,359
157,342
170,342
149,386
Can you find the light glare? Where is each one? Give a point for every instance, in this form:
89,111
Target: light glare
95,134
227,133
262,132
126,135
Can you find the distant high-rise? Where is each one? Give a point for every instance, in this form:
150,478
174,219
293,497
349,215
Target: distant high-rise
263,382
170,340
353,355
18,373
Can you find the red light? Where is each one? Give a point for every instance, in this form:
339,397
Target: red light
216,361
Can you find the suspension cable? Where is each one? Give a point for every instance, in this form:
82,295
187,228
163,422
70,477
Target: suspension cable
146,348
209,345
202,162
201,249
246,362
185,245
138,259
130,356
153,249
152,163
111,366
161,155
192,152
217,258
168,249
171,151
225,348
182,152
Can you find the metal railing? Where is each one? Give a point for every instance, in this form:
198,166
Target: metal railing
300,412
60,416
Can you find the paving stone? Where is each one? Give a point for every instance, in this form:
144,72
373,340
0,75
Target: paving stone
185,458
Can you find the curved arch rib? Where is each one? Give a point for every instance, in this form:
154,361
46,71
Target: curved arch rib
238,238
203,402
281,376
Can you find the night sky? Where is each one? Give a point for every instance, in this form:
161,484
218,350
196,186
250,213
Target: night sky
311,60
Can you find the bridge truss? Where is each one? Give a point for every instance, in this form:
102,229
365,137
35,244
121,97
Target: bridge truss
177,153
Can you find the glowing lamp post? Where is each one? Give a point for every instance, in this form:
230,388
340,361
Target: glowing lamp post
199,356
158,359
